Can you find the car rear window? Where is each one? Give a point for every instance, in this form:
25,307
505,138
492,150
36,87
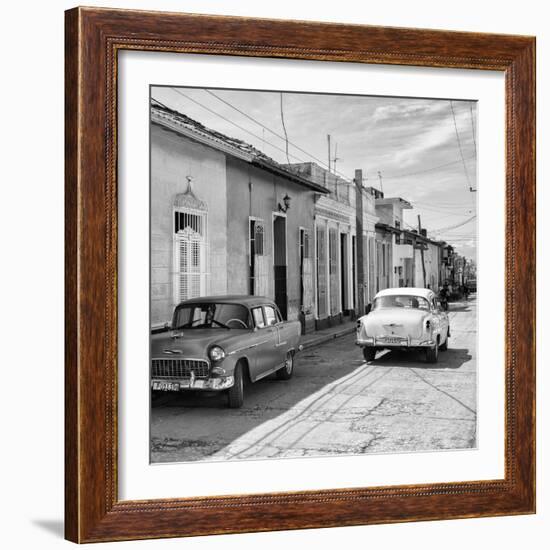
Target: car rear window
401,300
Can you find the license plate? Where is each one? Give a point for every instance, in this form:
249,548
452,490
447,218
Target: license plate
391,340
166,386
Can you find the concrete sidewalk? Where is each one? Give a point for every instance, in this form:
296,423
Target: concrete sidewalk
319,337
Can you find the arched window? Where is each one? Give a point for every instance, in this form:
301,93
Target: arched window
190,246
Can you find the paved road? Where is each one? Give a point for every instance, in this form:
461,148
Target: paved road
335,404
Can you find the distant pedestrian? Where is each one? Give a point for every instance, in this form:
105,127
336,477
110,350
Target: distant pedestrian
444,296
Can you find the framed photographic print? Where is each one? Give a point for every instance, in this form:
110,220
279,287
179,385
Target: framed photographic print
300,275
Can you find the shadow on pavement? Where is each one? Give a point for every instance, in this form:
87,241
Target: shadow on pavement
200,413
453,358
459,307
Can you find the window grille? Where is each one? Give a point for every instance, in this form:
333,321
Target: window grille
306,245
190,255
189,221
258,238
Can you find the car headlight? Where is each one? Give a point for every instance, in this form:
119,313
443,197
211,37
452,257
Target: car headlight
216,353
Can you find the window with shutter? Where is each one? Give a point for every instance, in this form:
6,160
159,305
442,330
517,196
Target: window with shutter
321,273
259,238
256,261
333,269
306,245
190,254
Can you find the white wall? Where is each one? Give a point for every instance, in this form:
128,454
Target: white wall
32,177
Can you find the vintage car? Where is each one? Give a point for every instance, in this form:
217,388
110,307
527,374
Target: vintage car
219,343
404,318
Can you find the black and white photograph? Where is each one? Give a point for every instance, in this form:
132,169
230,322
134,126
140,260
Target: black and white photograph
291,260
312,274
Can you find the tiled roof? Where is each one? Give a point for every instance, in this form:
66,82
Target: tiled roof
230,145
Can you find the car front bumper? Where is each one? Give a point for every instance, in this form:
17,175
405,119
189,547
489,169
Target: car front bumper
182,384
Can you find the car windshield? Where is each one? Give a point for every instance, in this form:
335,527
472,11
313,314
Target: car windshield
398,300
212,315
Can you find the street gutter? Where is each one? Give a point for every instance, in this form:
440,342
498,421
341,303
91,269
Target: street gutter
323,338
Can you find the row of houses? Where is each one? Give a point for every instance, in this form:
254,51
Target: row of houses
227,219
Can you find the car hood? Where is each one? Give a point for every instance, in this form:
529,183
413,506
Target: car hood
395,321
192,343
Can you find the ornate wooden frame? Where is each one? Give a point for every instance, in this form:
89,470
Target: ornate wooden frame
93,38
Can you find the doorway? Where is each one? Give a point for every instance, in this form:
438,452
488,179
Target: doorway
279,263
344,272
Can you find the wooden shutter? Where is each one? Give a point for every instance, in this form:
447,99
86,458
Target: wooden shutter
191,255
333,269
321,273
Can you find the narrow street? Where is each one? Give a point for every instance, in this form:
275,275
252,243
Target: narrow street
335,404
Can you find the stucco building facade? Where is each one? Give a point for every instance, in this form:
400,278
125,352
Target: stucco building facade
226,219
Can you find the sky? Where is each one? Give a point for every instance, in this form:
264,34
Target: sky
422,150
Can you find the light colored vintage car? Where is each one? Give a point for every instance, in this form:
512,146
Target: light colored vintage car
219,343
404,318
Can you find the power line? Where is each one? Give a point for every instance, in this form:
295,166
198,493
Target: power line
432,169
229,104
345,181
444,229
433,214
447,211
473,129
234,123
284,128
460,147
453,205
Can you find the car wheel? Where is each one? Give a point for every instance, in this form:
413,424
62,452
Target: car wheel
369,353
286,372
445,345
235,394
432,354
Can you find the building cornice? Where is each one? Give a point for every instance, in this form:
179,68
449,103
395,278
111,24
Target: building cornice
334,205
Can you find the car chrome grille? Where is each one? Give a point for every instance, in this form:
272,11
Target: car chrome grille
179,368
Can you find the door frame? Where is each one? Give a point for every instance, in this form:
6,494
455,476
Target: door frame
273,216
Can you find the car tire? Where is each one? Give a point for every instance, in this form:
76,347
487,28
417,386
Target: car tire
235,394
445,345
287,371
369,353
432,354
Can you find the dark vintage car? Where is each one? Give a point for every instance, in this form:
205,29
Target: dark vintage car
218,343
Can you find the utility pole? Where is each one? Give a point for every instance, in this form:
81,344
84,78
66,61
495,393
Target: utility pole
380,180
358,180
335,158
422,252
329,154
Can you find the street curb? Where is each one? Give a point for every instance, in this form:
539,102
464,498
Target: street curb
326,337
